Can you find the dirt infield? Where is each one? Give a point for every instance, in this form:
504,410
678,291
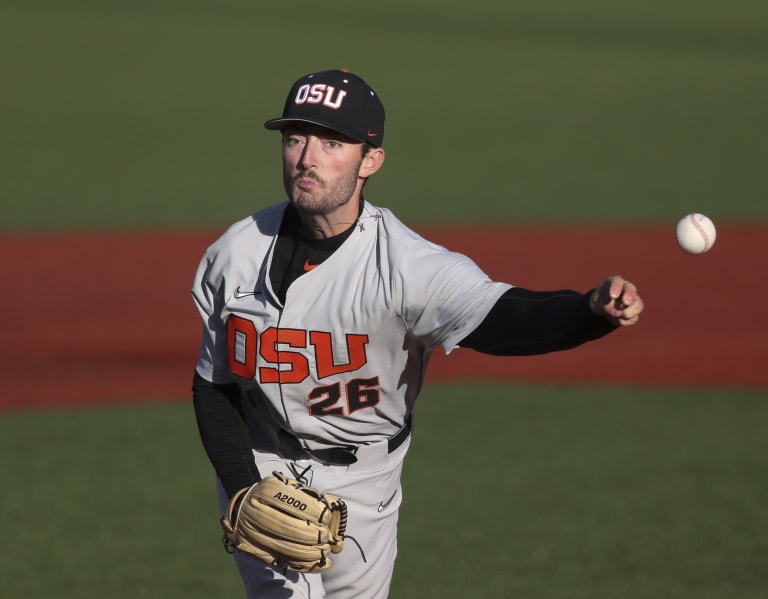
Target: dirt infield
97,318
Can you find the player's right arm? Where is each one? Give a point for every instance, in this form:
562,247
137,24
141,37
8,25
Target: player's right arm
224,433
216,397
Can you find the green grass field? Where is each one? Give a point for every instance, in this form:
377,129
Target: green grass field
509,492
148,114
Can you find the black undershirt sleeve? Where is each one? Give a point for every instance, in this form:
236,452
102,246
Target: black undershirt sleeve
224,433
524,322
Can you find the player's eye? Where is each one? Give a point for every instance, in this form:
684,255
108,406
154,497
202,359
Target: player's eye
293,140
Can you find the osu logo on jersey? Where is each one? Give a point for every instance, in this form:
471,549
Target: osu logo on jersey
320,93
281,352
284,361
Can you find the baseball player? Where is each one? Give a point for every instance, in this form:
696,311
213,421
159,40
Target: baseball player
320,314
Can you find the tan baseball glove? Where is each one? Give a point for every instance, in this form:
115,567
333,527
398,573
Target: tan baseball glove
286,524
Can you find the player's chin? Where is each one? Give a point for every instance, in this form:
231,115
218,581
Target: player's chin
302,198
308,204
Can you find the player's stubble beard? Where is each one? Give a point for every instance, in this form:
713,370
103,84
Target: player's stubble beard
327,197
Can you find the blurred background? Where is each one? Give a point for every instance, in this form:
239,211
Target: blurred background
150,113
145,117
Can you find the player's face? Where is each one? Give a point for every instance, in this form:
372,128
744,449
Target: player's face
321,169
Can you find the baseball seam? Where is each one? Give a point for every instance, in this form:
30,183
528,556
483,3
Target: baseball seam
701,230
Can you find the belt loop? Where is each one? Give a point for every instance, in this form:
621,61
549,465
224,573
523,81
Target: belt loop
400,436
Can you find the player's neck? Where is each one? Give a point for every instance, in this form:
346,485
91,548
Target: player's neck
335,223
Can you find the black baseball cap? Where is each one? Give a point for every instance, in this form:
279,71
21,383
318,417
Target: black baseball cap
338,100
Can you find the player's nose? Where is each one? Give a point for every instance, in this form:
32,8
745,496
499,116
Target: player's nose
309,154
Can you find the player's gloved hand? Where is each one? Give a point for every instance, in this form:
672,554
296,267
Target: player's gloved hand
617,300
286,524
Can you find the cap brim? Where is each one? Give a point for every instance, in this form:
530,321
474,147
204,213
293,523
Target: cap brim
279,124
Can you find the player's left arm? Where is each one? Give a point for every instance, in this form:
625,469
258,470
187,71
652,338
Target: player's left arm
617,300
524,322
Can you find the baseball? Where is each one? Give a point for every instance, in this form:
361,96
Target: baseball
696,233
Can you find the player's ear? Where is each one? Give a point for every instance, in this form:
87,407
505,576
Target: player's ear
372,161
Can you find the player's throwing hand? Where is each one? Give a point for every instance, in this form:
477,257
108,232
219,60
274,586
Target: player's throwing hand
617,300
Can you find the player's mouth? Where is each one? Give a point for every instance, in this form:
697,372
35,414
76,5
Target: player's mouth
306,184
307,181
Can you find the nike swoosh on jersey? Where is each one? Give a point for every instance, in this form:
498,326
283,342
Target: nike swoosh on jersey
308,266
241,294
383,505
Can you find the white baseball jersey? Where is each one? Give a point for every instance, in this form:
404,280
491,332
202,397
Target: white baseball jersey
343,359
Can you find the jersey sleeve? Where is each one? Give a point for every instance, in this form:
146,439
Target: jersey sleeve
234,257
444,295
207,293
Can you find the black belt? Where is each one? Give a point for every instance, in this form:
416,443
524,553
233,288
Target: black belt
337,456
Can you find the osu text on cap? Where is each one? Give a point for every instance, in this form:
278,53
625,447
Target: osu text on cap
320,93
